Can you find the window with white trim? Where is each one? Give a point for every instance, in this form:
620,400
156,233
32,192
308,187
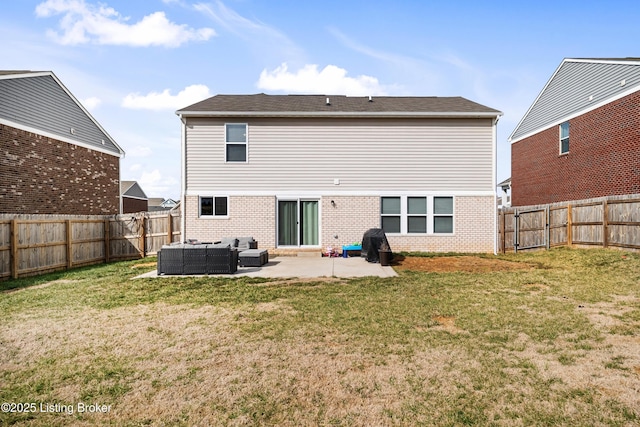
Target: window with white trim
236,142
443,214
564,138
390,214
214,206
416,214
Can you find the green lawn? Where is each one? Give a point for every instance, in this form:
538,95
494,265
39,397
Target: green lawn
555,344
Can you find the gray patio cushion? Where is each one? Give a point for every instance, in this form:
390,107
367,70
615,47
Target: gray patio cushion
231,241
219,245
245,242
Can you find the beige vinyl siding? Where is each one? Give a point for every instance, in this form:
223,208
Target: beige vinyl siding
292,154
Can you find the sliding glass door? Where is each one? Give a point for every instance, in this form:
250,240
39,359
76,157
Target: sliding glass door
298,223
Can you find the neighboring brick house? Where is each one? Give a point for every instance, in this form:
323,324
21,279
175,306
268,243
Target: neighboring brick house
55,158
313,171
134,198
580,138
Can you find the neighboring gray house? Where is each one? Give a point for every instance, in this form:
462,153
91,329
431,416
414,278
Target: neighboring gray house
134,198
56,158
312,171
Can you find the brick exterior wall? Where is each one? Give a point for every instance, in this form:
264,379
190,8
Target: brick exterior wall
131,205
348,220
46,176
603,158
248,216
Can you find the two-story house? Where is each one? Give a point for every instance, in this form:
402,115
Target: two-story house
580,138
313,171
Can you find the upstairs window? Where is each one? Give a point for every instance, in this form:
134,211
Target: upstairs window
236,142
564,138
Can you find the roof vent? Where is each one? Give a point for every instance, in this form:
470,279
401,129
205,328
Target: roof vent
370,98
328,101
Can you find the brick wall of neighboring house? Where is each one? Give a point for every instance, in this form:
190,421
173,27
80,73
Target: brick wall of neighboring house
131,205
603,158
47,176
348,219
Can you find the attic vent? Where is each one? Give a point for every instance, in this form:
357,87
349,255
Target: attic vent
328,101
623,82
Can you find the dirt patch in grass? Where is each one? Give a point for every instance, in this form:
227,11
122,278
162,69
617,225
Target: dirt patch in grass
448,323
145,265
468,264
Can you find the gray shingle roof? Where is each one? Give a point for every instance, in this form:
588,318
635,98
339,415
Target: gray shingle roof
262,104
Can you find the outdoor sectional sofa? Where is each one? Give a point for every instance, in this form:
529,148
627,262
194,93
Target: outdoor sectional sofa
197,259
211,258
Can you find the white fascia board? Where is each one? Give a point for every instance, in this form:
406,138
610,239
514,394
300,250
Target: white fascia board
60,138
25,74
355,114
604,61
321,193
577,113
126,196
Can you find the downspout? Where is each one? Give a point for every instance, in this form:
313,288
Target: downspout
183,177
495,184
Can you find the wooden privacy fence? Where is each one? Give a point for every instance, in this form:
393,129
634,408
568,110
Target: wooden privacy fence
612,221
35,244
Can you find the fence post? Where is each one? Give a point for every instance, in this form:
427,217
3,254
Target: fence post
107,242
169,229
69,244
605,224
14,248
547,230
142,238
569,225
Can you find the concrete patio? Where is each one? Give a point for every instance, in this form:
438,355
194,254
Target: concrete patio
306,267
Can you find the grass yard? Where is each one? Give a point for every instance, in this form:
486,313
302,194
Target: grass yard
554,340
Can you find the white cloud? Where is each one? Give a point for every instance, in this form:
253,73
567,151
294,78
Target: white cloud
266,40
331,79
165,101
91,103
84,23
139,151
155,185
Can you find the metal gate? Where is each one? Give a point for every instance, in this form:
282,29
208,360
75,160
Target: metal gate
531,229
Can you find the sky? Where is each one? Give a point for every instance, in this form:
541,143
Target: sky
133,63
